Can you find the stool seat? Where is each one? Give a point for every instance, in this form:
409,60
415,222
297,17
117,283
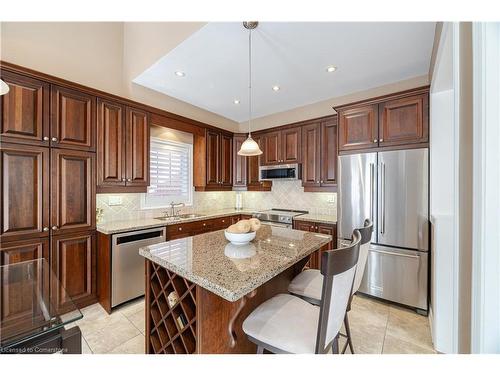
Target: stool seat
287,323
308,284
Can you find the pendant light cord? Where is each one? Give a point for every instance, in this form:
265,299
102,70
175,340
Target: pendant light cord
249,79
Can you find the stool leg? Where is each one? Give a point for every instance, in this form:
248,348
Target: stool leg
348,333
335,345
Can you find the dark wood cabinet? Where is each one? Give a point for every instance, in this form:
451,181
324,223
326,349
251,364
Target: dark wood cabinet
219,162
329,154
311,163
25,110
253,183
181,230
122,148
239,163
73,262
16,305
72,190
402,121
73,117
24,182
137,148
110,144
282,146
395,120
309,226
358,128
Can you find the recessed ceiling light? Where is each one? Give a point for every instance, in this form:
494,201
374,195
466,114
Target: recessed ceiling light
180,74
276,88
236,101
331,69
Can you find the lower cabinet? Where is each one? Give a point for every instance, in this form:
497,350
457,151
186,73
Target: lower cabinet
73,263
309,226
16,304
182,230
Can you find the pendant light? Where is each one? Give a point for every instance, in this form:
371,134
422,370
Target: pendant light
4,88
250,147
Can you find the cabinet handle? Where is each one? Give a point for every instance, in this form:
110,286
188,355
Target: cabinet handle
316,228
123,180
204,224
55,227
46,138
223,221
180,228
45,229
381,140
375,141
129,179
54,139
321,181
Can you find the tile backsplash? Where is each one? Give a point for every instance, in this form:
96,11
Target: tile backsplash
284,194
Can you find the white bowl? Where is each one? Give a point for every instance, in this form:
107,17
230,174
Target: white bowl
239,238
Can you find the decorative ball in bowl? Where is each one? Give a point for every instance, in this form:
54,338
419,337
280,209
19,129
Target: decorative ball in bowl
242,232
239,238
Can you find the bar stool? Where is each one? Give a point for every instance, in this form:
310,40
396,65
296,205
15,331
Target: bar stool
288,324
308,284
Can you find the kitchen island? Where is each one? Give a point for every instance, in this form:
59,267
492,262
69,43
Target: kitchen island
218,285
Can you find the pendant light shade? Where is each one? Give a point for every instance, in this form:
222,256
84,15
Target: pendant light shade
4,88
249,147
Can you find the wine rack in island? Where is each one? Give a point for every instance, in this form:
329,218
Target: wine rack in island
172,328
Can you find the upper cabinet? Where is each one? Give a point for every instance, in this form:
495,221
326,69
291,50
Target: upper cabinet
25,110
396,120
253,163
281,146
319,160
122,148
239,163
73,115
246,168
213,161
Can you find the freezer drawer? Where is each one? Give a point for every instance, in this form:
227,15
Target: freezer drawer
397,275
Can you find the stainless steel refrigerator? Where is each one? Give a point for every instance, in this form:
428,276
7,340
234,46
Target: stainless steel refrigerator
391,188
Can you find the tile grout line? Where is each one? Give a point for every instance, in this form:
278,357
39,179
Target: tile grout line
385,331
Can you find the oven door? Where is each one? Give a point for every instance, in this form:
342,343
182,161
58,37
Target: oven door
275,224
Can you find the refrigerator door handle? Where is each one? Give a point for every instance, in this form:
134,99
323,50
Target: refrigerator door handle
382,231
372,186
396,254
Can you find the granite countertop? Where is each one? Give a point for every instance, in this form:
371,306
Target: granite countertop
326,219
202,259
119,226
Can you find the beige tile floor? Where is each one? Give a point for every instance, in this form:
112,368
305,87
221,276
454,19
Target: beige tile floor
376,327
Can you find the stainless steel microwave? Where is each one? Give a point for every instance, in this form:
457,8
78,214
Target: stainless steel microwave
280,172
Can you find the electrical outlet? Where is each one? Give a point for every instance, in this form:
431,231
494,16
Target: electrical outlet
115,200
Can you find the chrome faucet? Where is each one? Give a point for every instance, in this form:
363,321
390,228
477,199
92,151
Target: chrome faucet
173,212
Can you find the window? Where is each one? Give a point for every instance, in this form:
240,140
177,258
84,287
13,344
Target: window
171,174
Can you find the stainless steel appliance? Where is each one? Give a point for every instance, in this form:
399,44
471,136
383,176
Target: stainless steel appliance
391,188
280,172
278,217
127,266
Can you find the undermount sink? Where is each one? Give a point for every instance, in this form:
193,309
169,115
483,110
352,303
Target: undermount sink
179,217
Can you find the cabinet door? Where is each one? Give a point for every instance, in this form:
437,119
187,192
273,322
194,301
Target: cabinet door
304,225
272,148
328,153
358,128
213,156
226,160
72,119
17,302
253,183
291,145
311,163
73,262
404,121
110,144
331,230
72,190
239,163
24,183
137,148
24,110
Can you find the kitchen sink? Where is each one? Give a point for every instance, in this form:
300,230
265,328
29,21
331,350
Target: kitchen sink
179,217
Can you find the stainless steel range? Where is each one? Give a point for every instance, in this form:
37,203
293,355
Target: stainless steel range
278,217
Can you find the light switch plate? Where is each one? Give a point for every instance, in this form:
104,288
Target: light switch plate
115,200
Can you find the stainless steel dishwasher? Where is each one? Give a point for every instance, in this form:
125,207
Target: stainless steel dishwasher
127,266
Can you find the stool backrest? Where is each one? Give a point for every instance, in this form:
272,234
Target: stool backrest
364,247
338,268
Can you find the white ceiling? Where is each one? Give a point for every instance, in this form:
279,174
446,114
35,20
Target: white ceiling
293,55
